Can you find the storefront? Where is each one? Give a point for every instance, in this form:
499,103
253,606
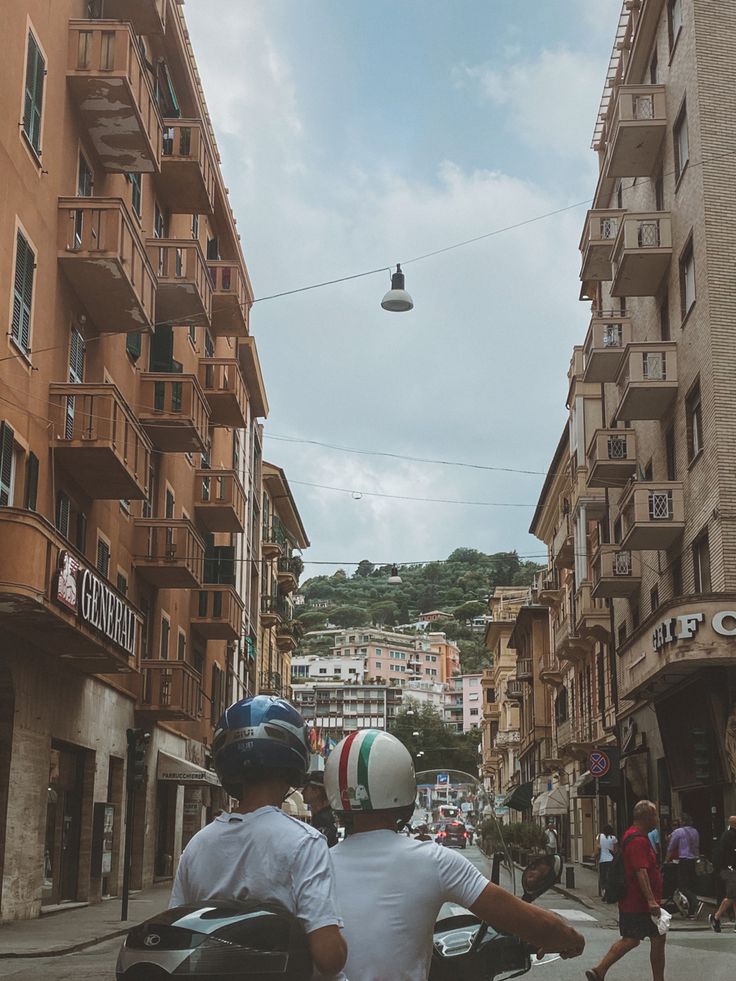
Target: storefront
187,795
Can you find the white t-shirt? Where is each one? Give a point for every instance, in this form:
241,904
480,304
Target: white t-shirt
606,843
390,890
264,854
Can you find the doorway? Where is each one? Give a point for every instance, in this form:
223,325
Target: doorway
63,826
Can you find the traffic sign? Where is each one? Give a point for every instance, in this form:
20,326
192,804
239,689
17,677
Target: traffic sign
443,779
598,763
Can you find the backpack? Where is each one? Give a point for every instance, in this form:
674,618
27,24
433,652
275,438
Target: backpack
616,882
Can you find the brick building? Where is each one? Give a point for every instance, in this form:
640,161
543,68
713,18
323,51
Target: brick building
130,447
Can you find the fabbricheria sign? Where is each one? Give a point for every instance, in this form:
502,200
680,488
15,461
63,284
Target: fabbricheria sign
685,626
95,603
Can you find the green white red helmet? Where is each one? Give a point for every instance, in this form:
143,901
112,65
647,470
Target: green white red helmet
370,770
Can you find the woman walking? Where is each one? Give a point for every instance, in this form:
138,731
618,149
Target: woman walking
605,850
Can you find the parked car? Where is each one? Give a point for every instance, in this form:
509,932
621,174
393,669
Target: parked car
453,835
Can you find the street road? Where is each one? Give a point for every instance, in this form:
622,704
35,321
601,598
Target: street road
689,955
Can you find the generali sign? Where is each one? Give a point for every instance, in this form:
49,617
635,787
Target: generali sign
685,627
83,592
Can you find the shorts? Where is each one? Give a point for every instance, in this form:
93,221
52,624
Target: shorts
637,926
729,879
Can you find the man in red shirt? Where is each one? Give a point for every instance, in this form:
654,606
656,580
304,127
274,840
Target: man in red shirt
642,899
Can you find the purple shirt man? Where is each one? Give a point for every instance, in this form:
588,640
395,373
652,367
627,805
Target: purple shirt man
684,843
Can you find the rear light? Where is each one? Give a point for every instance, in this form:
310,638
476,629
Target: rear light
442,834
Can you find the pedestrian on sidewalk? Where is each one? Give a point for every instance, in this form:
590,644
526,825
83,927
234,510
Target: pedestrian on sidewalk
639,908
725,863
605,850
685,843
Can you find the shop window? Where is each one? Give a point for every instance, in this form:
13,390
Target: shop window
34,86
701,564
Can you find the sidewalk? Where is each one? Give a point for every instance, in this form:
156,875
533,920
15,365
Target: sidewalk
68,931
586,893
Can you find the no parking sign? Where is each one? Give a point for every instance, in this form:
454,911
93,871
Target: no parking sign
599,763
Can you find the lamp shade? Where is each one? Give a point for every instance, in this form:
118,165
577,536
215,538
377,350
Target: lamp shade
397,299
394,579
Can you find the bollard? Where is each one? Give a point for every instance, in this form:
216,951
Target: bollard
569,877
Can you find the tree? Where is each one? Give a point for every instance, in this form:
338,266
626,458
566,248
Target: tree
467,556
384,611
313,619
365,568
349,616
469,610
441,747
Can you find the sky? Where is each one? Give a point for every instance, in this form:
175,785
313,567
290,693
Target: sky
355,135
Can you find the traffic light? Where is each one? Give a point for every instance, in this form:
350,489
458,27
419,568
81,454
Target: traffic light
137,742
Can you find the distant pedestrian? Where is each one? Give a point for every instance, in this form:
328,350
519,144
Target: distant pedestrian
725,863
315,798
685,844
605,849
551,843
639,908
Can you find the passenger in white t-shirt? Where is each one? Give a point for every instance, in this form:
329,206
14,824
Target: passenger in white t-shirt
605,851
390,889
258,852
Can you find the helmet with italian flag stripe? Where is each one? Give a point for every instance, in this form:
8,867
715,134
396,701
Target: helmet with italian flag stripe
370,770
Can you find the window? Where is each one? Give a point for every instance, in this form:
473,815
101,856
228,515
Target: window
195,226
687,278
133,345
7,464
620,195
677,576
136,193
164,639
33,102
85,178
181,650
31,481
674,10
159,223
635,616
216,693
80,537
701,564
653,68
682,143
654,599
473,712
122,583
694,420
103,557
25,265
659,192
664,318
621,636
669,448
63,511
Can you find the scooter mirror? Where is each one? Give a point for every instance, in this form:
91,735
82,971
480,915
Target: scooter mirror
539,876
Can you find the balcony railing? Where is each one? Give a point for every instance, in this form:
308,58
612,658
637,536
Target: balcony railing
285,637
514,689
273,539
224,389
187,168
642,254
100,442
110,86
636,126
524,669
596,245
219,501
616,572
168,553
563,545
184,290
271,683
272,610
593,618
647,381
605,344
173,412
652,515
170,690
217,612
229,299
548,588
612,457
103,257
288,572
145,16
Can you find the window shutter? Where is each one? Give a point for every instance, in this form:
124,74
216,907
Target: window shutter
6,463
103,557
133,345
76,357
63,509
35,75
31,482
81,541
23,292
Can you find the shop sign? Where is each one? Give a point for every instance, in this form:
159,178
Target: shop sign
95,603
685,626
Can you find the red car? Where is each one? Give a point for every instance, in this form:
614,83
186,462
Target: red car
453,835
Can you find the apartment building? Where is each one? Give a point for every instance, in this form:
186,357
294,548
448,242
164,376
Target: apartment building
312,667
130,447
638,507
397,657
335,708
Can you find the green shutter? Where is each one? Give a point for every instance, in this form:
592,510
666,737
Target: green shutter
35,75
31,482
7,439
63,509
25,262
76,357
133,345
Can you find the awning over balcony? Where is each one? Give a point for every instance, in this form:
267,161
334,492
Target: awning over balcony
520,798
175,770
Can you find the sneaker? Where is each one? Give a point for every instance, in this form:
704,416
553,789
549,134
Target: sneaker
714,923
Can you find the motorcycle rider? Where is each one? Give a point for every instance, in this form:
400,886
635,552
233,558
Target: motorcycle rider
315,798
398,885
257,851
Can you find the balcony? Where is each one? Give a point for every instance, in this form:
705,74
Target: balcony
593,618
145,16
583,495
271,611
514,690
637,125
229,299
508,737
53,602
216,612
288,570
110,87
224,389
219,501
642,254
611,457
491,711
102,255
170,691
647,381
168,553
550,673
603,351
273,539
285,637
616,572
596,245
524,669
184,290
652,515
99,442
187,185
570,647
563,545
173,412
271,683
549,592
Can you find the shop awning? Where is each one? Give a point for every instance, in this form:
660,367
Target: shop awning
520,798
176,770
538,801
557,801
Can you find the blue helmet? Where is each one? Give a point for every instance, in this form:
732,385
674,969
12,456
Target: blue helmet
259,734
